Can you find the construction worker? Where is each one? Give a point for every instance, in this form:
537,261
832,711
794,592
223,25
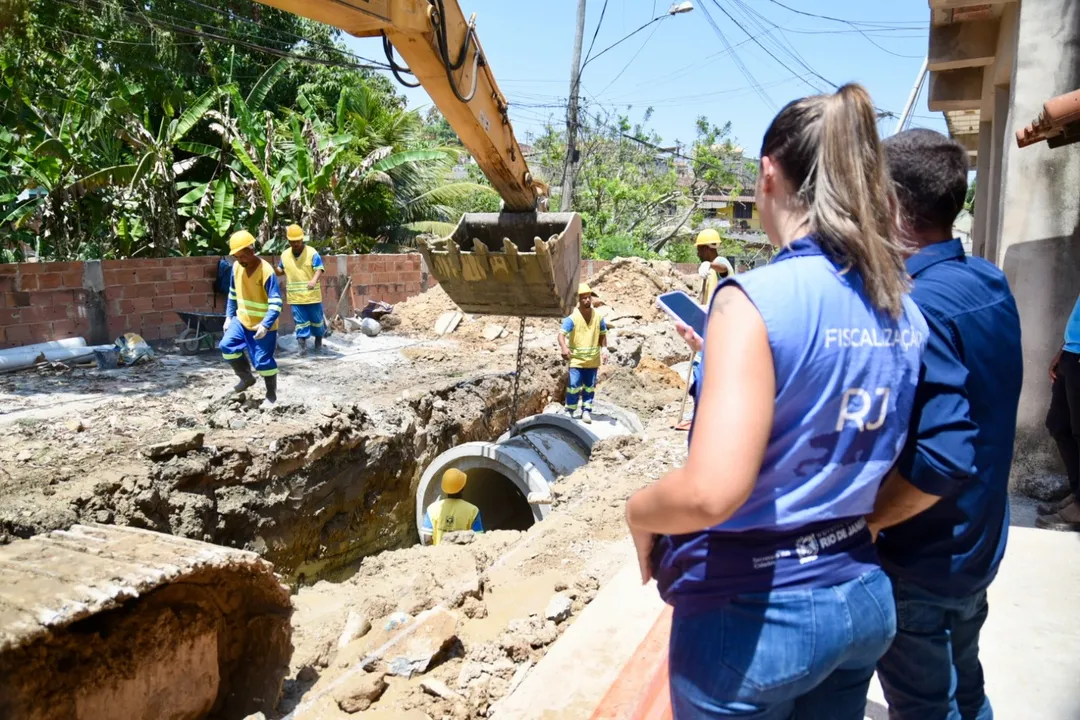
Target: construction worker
251,317
582,340
714,266
451,513
302,267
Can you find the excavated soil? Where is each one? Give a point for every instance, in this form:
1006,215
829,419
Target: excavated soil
323,485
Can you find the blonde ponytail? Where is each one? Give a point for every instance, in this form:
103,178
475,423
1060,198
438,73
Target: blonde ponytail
828,147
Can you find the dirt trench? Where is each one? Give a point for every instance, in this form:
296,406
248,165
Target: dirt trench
314,500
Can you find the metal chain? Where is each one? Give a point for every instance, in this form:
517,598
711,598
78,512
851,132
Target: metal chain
514,431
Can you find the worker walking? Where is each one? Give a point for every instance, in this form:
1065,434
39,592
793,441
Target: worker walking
582,340
302,267
450,513
251,317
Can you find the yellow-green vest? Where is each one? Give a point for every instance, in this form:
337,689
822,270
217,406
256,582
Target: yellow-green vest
299,271
584,340
252,302
450,515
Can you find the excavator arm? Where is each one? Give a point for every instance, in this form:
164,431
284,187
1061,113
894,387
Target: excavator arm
523,261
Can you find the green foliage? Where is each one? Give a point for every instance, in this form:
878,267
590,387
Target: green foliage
969,201
681,252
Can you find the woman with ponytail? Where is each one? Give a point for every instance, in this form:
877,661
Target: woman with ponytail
809,372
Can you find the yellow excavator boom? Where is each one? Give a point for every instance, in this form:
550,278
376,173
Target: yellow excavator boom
523,261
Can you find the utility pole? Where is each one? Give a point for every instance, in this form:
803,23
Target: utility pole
909,106
570,166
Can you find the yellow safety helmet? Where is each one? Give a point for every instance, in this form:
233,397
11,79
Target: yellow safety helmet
584,289
708,236
240,240
453,481
294,232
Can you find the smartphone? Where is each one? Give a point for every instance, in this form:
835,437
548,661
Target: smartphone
681,307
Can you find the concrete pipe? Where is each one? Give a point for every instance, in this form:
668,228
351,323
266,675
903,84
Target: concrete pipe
510,479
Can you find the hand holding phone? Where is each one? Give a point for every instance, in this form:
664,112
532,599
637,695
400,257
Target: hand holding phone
682,308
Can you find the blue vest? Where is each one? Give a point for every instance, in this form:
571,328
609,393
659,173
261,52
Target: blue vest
845,386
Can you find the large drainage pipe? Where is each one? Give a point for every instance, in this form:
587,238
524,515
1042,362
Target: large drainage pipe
506,474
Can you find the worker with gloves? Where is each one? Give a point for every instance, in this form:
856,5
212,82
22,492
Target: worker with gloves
251,317
450,513
582,340
302,267
714,266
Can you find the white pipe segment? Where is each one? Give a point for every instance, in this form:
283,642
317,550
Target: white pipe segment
510,479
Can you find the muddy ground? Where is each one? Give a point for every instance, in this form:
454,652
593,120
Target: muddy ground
323,484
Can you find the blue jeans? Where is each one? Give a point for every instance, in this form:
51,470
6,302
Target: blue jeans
581,386
804,653
932,670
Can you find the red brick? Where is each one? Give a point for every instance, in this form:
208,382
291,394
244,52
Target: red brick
152,275
72,279
31,268
205,301
15,335
147,289
181,288
49,281
163,302
176,273
55,312
41,332
141,305
151,332
64,329
10,317
9,269
150,319
7,284
28,282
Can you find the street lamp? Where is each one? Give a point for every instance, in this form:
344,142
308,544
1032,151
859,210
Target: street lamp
678,8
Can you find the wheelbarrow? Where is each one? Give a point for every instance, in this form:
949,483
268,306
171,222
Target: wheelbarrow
203,331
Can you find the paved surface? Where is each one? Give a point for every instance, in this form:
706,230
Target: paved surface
1030,646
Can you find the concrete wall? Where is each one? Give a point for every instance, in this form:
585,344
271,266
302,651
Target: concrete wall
1038,239
100,300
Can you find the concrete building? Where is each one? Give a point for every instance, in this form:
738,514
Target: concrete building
992,66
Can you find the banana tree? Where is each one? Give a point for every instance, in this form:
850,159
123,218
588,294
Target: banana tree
153,176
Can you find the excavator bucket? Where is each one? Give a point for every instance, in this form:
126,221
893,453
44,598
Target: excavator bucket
516,264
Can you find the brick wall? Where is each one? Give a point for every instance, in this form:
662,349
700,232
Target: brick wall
100,300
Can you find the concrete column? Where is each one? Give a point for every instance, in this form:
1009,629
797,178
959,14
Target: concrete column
983,184
1039,228
94,305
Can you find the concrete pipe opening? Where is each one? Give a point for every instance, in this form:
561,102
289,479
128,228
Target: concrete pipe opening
510,480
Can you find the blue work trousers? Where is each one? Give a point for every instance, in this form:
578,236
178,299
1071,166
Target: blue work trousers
581,387
238,338
803,653
932,671
308,320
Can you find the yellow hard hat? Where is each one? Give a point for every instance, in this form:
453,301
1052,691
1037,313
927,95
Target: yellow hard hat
240,240
453,481
708,236
294,232
584,289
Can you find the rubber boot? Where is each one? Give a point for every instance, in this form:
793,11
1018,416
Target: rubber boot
318,344
302,342
271,392
242,369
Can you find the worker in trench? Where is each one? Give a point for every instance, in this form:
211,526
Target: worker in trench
811,363
251,317
303,268
450,513
583,341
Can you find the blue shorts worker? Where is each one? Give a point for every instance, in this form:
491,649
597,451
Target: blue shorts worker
238,338
581,386
308,320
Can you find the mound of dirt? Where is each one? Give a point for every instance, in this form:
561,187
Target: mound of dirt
630,286
647,389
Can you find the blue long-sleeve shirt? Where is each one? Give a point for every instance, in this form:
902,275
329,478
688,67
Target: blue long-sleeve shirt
273,298
960,445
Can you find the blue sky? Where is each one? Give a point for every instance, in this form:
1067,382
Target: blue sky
681,67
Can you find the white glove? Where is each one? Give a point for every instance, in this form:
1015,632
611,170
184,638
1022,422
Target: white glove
260,332
228,322
704,268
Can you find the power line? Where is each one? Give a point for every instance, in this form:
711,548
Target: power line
738,61
848,22
631,60
603,11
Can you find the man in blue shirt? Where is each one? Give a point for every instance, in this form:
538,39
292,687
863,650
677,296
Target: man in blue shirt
1063,422
943,513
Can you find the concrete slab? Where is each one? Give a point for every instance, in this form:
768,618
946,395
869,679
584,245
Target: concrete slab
569,682
1030,647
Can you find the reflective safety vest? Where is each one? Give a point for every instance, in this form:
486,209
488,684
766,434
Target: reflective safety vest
452,515
299,271
584,339
252,302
